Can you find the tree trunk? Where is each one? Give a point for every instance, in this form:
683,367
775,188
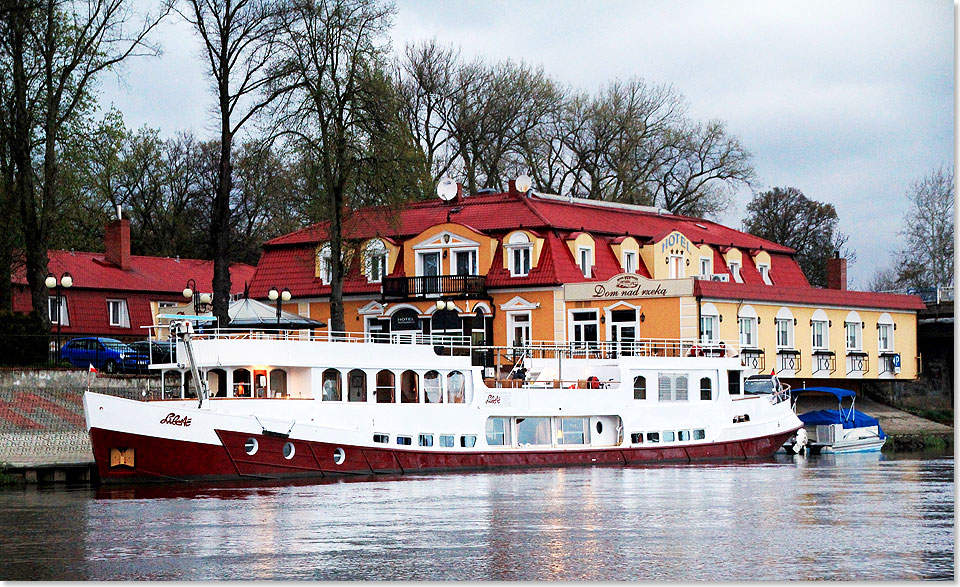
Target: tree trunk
220,218
336,259
21,163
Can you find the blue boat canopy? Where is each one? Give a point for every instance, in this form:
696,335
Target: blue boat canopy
849,419
835,391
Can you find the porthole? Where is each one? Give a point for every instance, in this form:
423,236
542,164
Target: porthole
599,427
289,450
339,456
251,446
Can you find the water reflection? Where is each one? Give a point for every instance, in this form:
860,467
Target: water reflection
855,517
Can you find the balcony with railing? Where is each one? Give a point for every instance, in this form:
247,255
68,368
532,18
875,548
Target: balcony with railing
433,286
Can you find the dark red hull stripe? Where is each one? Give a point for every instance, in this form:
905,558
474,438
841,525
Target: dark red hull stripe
159,459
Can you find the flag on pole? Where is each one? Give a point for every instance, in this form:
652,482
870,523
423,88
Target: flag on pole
92,369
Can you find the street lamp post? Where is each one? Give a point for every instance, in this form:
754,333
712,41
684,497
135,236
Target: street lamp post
199,299
449,306
65,282
278,296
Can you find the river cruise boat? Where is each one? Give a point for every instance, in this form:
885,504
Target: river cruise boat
308,404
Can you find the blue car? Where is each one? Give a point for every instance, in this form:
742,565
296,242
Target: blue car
105,354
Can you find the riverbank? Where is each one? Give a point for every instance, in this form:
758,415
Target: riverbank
43,436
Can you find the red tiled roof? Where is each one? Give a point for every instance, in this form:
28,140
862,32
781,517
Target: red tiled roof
146,274
806,295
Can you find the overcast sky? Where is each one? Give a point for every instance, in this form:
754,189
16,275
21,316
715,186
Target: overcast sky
848,101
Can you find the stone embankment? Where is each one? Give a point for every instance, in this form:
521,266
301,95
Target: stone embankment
43,434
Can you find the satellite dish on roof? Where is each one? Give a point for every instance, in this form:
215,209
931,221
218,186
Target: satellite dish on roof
523,183
447,189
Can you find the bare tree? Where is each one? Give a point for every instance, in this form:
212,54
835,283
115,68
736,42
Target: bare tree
240,45
342,113
928,229
57,50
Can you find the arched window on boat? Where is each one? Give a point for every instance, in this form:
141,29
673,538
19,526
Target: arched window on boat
241,383
217,382
278,383
706,388
356,386
408,387
386,386
456,392
431,387
331,385
639,387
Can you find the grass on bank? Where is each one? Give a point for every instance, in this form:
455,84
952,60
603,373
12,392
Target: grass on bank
938,415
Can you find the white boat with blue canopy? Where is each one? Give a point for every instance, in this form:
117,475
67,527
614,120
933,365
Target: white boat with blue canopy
844,430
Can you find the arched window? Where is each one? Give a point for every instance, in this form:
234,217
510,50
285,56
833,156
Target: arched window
853,328
820,330
408,387
519,250
709,324
324,265
784,326
639,387
431,387
278,383
386,384
748,321
455,388
375,260
706,389
331,385
241,383
885,330
356,386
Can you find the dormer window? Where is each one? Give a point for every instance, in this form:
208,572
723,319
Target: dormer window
629,261
519,250
324,266
705,266
764,272
585,254
375,257
734,267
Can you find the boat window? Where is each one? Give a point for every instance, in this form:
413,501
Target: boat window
683,435
386,386
331,385
497,432
381,438
669,436
404,440
455,387
446,440
653,437
356,386
573,431
733,382
533,431
241,383
431,387
673,387
636,437
409,387
468,441
278,383
425,440
706,388
639,387
699,434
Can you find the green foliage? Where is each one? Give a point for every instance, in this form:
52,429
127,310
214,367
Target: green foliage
786,216
23,339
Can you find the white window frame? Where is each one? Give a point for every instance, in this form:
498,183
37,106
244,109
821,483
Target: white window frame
734,267
325,264
630,262
473,254
713,320
419,261
571,332
585,261
123,310
784,327
372,255
751,333
857,335
764,269
512,322
64,314
677,267
706,266
825,335
888,327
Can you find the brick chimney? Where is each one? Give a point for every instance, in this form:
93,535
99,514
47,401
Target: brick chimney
117,242
836,272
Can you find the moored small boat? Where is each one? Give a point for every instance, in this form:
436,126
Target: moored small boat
844,430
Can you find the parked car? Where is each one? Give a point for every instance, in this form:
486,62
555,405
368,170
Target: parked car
158,352
105,354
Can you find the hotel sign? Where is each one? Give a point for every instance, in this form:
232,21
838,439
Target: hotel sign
627,286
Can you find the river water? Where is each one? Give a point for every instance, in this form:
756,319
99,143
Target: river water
850,517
